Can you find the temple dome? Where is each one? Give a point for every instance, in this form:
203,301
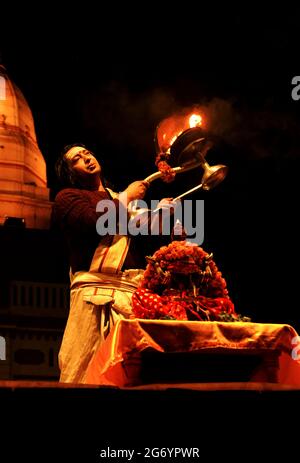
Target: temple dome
23,178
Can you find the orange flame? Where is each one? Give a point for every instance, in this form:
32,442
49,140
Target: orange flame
195,120
172,127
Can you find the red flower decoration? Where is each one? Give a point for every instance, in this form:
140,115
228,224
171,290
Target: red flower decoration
167,172
182,282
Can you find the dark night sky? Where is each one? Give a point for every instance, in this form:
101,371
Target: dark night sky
107,80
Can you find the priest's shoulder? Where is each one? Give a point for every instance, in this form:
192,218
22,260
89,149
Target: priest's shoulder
68,194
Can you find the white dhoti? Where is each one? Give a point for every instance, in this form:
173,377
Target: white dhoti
98,300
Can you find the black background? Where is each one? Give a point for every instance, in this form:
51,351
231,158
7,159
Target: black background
106,78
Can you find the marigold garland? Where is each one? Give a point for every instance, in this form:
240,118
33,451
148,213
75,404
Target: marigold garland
182,282
162,163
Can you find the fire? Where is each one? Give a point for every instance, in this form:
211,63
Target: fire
172,127
195,120
174,138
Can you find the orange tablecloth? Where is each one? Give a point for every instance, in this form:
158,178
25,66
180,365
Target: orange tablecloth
130,337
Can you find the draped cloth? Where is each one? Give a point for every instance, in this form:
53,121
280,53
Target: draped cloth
118,361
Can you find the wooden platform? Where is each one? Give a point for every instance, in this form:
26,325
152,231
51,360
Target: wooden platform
42,421
34,386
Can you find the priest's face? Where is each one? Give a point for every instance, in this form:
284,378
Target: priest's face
83,163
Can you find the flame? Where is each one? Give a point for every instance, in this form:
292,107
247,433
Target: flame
172,127
174,138
195,120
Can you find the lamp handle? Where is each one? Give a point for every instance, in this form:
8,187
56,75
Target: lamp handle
182,195
189,191
158,174
184,168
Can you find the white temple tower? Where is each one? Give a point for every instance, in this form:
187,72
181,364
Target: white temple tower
23,179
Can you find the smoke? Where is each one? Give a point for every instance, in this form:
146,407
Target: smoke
252,133
126,120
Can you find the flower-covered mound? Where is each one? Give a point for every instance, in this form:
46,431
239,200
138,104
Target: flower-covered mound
182,282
